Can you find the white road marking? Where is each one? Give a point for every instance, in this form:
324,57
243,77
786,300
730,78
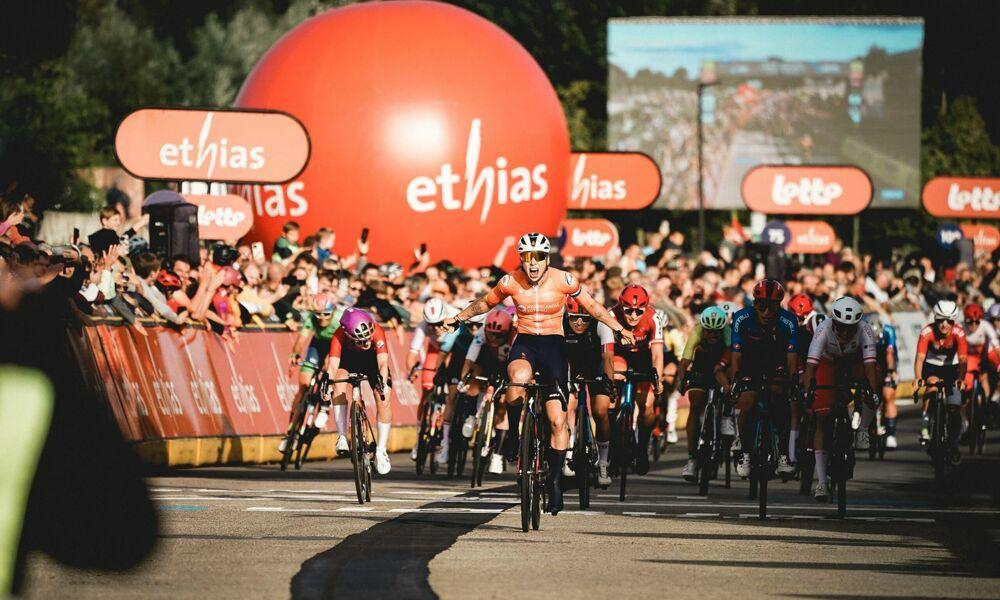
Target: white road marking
639,514
698,515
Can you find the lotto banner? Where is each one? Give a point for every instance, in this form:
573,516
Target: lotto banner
194,383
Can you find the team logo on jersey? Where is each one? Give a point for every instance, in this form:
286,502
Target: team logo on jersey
505,280
380,344
570,279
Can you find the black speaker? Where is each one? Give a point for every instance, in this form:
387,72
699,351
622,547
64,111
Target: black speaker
173,230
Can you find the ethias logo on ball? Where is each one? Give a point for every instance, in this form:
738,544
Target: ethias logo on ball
499,182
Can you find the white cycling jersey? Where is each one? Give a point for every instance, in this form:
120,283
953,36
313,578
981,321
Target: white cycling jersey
985,334
826,346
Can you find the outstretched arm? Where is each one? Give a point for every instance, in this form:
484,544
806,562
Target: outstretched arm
603,315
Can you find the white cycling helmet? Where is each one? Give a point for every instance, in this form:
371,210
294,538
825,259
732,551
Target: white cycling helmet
813,321
435,311
946,310
846,311
533,242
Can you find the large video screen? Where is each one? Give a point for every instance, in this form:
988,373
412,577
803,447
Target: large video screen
773,91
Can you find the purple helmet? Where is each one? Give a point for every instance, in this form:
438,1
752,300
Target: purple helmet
357,324
994,312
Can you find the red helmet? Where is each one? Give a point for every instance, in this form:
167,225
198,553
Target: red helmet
973,312
168,280
800,304
573,307
634,296
768,289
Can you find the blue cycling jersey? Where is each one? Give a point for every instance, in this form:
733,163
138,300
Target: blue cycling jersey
886,344
748,335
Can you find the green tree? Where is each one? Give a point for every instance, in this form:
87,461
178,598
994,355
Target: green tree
224,52
121,65
957,143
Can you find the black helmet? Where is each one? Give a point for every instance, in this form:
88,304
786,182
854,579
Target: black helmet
223,255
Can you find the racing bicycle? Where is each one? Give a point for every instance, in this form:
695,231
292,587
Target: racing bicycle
482,432
584,460
840,444
532,468
362,442
714,449
303,430
431,430
623,433
978,416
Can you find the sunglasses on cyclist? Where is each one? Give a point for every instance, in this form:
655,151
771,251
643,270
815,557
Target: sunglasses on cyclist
972,323
324,315
578,317
633,312
948,321
537,255
765,305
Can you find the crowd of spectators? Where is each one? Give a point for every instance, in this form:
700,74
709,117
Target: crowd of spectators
113,273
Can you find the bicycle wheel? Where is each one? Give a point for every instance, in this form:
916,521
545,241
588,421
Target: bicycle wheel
358,451
979,398
807,463
626,454
727,457
762,465
423,438
525,467
939,440
369,454
581,454
972,436
293,438
842,498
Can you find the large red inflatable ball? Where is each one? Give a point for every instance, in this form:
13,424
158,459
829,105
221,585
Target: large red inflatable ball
428,124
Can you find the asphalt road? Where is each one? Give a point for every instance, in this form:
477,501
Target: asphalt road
254,532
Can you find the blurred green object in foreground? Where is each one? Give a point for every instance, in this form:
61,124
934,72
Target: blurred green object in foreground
26,401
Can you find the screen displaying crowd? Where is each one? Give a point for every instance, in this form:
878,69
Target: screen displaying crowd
773,91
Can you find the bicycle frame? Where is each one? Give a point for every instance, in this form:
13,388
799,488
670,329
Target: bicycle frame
623,430
362,442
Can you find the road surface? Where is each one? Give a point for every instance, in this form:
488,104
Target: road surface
254,532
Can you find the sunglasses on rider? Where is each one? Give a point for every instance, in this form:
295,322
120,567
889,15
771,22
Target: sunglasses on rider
765,305
948,321
578,317
537,255
633,312
972,323
844,327
324,315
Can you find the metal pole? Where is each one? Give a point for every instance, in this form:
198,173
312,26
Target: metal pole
701,187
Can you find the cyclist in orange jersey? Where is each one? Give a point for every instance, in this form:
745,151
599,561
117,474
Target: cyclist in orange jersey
539,294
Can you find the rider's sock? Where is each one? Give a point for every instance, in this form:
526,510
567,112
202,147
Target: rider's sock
602,452
867,415
890,426
793,438
498,439
340,416
383,435
926,421
445,430
572,439
821,466
672,408
556,459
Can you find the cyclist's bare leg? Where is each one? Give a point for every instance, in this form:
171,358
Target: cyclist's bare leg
819,446
558,421
697,400
341,393
571,418
647,417
744,403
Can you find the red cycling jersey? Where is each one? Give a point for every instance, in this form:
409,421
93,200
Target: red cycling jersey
340,343
941,351
647,332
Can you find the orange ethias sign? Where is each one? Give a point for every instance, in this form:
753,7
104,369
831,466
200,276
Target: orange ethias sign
806,190
985,238
589,237
810,237
612,181
974,197
240,146
221,217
